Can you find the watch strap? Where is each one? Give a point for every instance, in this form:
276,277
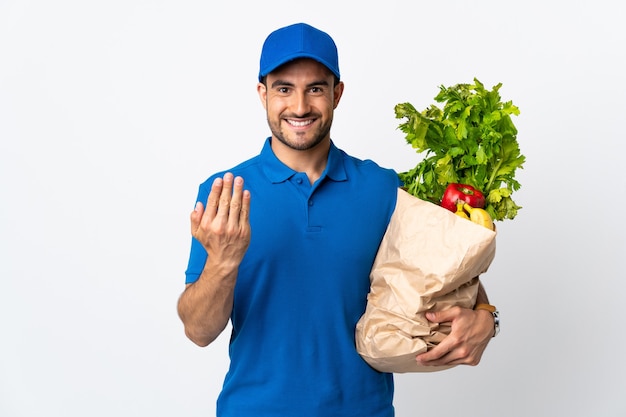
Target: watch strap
494,312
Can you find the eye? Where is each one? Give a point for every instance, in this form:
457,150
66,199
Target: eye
283,90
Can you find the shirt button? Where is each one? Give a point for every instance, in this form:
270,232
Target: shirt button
310,203
299,180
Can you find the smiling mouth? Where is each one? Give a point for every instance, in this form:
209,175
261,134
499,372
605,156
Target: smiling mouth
299,123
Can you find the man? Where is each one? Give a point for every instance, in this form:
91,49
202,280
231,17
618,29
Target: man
287,257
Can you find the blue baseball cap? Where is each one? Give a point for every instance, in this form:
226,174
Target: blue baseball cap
298,41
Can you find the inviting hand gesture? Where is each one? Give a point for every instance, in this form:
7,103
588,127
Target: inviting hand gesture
223,228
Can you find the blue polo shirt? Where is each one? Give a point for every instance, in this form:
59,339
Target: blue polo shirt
301,288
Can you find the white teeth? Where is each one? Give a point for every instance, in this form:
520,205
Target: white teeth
300,124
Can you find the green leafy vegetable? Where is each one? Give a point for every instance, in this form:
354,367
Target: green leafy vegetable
472,140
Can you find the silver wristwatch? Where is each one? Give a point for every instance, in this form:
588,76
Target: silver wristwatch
496,322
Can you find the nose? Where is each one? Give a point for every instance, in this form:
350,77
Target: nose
301,105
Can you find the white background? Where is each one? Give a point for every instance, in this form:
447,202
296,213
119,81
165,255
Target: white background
112,112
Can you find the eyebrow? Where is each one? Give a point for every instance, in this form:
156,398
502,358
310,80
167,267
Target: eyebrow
280,82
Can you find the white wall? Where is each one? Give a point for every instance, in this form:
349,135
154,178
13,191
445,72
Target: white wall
111,114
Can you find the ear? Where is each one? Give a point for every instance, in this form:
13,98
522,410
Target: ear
261,89
338,92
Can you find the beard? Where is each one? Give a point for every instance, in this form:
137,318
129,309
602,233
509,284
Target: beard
298,140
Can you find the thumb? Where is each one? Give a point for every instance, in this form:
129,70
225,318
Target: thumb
439,316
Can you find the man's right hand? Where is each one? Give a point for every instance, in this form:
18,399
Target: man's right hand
223,228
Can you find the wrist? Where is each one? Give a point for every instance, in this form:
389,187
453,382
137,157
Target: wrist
494,313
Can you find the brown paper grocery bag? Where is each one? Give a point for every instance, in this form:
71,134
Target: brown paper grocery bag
429,259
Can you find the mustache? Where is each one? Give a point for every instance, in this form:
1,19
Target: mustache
307,115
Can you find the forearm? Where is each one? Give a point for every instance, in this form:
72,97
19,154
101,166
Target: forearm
481,297
205,306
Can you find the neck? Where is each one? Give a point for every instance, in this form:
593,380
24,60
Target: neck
310,161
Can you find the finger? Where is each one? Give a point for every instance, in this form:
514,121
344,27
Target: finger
196,216
444,361
244,215
223,208
434,362
455,357
442,316
236,202
213,201
435,355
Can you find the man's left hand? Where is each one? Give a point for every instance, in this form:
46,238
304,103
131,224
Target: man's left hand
471,331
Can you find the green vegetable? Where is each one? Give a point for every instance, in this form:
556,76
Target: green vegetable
472,140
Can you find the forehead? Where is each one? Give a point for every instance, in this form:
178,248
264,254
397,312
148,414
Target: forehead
301,67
